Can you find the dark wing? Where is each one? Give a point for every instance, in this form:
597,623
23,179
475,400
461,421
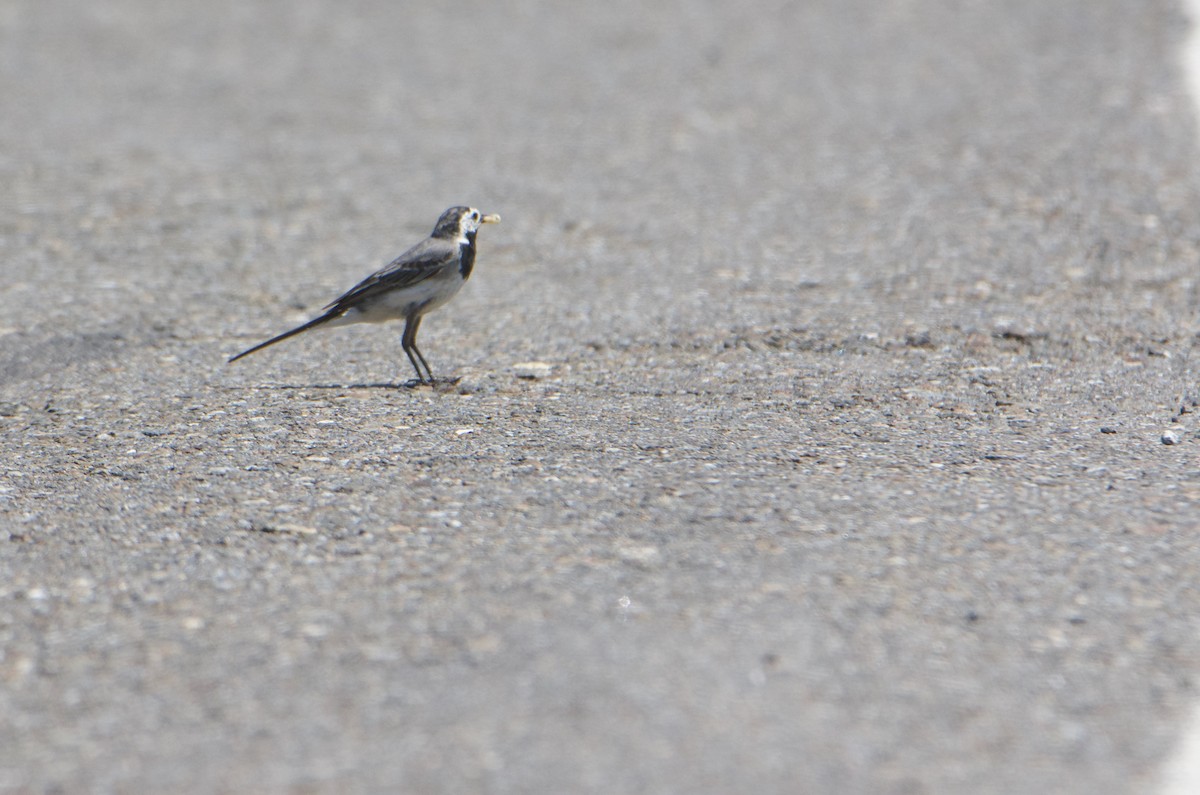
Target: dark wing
423,260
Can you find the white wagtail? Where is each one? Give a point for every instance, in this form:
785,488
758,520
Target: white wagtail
422,278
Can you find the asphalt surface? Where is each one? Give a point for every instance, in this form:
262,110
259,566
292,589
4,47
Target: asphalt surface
804,427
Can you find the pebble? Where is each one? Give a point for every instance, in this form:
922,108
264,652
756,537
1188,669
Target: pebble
532,370
643,557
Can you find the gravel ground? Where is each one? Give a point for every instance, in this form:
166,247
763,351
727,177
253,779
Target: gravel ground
821,417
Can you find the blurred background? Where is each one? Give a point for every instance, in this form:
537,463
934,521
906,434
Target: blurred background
653,161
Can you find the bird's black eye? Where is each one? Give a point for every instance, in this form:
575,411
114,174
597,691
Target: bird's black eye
474,216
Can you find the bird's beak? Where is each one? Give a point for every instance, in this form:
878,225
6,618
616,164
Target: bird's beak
490,219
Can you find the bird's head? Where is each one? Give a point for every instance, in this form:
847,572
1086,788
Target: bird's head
461,223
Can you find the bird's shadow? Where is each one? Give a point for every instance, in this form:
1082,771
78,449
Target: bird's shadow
411,384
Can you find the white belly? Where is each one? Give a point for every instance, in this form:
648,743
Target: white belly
399,304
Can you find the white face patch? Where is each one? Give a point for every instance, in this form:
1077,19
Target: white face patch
469,222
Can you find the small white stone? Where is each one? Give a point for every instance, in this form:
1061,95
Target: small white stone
314,630
532,370
297,529
640,556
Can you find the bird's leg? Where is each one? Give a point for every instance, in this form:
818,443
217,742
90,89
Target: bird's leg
412,344
417,351
409,343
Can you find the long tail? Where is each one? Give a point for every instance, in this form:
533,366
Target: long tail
325,318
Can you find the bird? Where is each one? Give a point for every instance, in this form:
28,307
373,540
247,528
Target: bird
421,279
